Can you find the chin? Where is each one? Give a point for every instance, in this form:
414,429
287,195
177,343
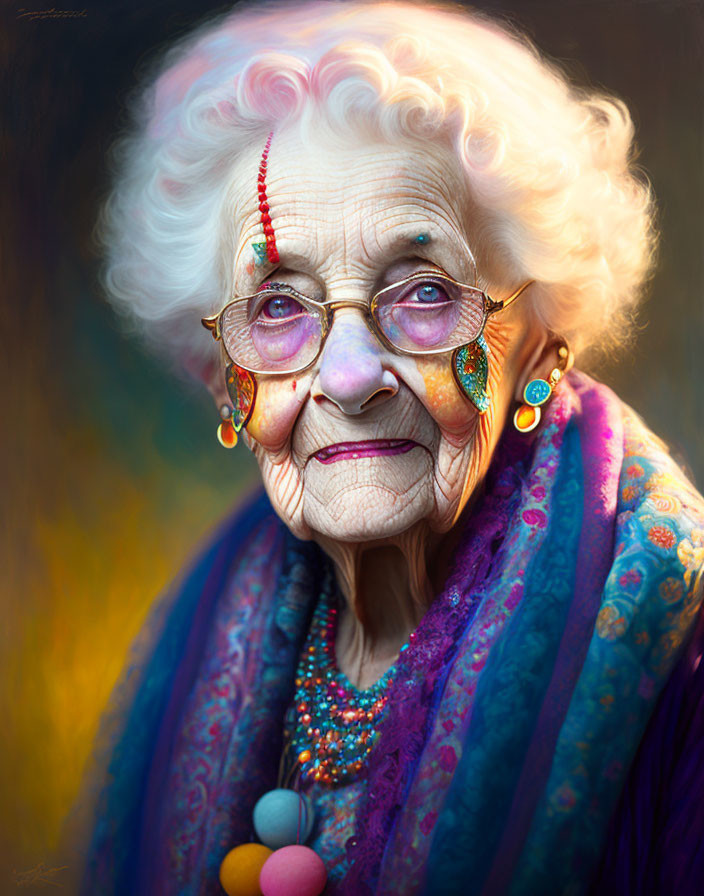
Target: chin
368,513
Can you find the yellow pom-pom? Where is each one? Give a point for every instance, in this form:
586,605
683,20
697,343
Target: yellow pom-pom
239,871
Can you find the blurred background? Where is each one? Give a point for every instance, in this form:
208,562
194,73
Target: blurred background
111,470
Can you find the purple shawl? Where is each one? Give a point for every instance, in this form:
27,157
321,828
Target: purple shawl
545,723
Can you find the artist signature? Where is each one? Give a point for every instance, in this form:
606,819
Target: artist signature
40,874
52,13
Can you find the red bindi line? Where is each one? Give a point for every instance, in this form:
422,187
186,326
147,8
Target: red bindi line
272,252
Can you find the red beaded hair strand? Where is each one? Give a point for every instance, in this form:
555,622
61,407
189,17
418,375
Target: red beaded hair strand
271,251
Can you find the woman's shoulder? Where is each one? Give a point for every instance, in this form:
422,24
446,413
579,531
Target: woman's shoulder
251,530
248,538
653,604
656,490
658,572
228,561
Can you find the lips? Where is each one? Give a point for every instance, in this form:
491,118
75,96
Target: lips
367,448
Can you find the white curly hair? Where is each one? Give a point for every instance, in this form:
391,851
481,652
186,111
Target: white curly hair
549,165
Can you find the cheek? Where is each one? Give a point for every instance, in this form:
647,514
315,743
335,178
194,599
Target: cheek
448,407
277,405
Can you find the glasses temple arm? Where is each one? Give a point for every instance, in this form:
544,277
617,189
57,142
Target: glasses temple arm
212,324
514,295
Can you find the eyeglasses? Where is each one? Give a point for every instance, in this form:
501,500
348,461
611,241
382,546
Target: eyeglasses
280,330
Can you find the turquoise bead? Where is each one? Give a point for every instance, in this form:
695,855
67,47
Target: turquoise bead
537,392
276,818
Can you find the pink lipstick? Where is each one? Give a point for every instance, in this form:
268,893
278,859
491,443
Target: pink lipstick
368,448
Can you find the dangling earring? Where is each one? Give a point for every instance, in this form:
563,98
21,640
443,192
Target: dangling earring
470,366
226,431
537,392
242,389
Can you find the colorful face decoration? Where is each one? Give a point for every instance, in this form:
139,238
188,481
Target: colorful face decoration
242,389
265,250
470,365
367,441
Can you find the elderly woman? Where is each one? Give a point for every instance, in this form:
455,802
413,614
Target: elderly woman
455,647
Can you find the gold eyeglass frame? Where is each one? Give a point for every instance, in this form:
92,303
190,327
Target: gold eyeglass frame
213,323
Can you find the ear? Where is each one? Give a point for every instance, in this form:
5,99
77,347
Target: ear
542,360
211,373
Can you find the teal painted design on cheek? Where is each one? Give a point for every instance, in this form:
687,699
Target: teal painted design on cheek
470,366
242,389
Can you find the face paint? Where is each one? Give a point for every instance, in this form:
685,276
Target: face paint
471,368
259,250
487,434
241,384
443,399
276,409
338,238
242,389
268,248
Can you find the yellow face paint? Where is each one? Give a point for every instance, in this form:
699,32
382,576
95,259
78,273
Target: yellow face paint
276,407
448,407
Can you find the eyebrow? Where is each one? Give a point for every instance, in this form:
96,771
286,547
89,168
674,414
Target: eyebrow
396,247
400,243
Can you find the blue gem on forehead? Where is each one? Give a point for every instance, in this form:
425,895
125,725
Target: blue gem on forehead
422,239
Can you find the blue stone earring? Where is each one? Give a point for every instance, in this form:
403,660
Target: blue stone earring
537,392
470,366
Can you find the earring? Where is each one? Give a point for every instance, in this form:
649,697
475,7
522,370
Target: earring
470,366
537,392
242,389
226,431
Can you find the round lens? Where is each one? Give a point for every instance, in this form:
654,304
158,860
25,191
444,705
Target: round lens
272,332
429,314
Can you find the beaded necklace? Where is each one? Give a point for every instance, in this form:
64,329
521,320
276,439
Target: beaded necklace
332,726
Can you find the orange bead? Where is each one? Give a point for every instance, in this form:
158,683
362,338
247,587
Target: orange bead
227,435
526,418
240,869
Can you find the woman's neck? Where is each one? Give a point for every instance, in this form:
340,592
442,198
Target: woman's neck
387,588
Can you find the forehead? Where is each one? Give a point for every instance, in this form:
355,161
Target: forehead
354,200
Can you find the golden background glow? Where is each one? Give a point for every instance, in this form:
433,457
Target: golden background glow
111,470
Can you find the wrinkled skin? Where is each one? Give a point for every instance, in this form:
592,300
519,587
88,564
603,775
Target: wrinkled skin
345,218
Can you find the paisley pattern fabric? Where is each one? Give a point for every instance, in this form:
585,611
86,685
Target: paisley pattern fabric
502,596
335,822
521,715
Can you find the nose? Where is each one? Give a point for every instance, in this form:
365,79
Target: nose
351,373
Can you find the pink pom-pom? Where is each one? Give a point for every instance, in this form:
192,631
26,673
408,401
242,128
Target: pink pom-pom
293,871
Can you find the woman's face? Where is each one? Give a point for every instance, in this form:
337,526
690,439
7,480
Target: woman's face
346,219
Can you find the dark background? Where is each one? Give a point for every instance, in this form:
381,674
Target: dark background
112,471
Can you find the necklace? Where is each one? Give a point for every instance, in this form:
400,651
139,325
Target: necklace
331,727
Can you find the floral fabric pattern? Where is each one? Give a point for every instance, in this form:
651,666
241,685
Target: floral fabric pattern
520,704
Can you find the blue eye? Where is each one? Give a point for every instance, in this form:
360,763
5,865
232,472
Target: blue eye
429,293
280,307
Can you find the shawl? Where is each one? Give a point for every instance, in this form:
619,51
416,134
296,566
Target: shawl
545,727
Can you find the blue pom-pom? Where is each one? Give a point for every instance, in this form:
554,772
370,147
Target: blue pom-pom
283,818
